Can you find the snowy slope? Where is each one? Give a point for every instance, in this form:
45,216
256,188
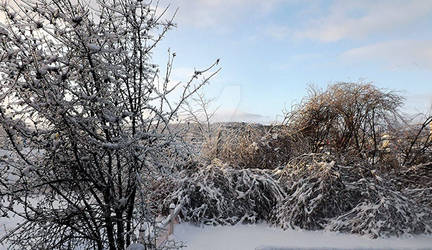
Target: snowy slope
264,237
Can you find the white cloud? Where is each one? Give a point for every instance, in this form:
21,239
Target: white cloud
418,104
219,13
394,54
278,32
358,19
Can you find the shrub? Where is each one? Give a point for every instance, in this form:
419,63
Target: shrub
249,146
217,194
415,177
416,183
316,191
345,118
383,212
323,194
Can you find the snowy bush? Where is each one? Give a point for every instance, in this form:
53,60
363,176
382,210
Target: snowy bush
249,146
322,194
347,117
217,194
313,192
414,177
316,192
416,183
383,212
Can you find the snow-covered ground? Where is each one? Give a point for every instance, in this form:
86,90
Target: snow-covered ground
265,237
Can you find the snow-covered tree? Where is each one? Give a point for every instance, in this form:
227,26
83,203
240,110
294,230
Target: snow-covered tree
88,118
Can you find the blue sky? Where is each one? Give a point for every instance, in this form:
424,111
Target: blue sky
272,50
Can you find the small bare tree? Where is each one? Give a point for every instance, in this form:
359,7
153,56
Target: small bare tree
198,115
88,117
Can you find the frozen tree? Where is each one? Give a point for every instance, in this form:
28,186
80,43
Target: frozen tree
88,118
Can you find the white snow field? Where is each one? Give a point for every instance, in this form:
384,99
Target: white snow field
265,237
